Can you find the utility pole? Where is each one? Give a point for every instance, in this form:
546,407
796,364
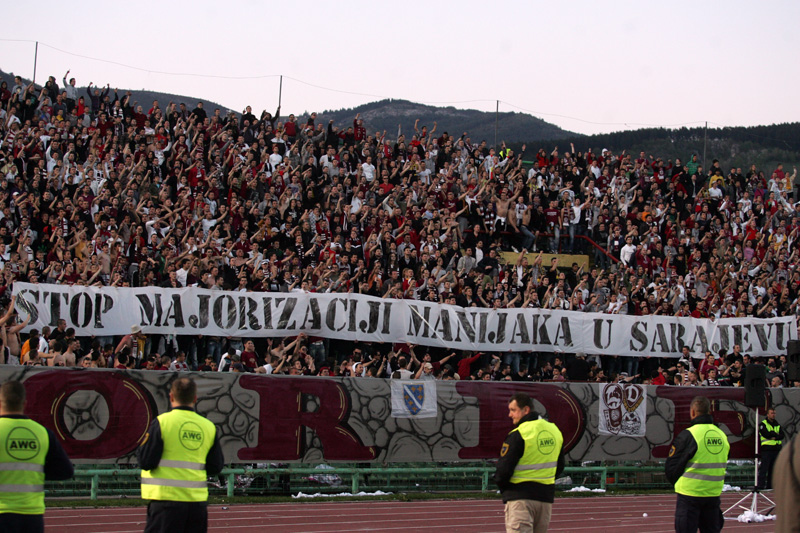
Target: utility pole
35,58
280,92
705,140
496,120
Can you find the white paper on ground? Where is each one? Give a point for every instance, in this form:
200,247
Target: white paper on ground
340,494
750,516
584,489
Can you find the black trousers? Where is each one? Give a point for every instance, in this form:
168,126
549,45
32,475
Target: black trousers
769,454
693,513
21,523
176,517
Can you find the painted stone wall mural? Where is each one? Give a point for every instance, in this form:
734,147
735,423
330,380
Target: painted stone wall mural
101,416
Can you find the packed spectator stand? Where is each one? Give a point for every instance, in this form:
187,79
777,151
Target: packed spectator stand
102,190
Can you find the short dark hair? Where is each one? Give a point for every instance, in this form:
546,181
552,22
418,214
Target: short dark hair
184,391
522,399
701,405
12,395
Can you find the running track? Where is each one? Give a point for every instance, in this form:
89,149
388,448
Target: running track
594,514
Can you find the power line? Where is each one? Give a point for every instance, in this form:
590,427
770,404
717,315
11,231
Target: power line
600,123
255,77
336,90
356,93
140,69
383,96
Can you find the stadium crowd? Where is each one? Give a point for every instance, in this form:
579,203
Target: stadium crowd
100,189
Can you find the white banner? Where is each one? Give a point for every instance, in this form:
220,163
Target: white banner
623,410
111,311
414,399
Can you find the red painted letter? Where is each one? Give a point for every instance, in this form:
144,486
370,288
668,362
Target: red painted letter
130,410
282,416
733,420
563,409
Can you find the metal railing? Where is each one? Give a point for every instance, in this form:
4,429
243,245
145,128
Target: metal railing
121,480
589,240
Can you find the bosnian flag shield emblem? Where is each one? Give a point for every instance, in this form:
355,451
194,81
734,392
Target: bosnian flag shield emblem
414,398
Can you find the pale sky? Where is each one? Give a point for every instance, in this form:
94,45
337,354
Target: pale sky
585,66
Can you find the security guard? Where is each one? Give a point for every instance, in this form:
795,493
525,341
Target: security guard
771,434
29,454
696,466
531,458
180,451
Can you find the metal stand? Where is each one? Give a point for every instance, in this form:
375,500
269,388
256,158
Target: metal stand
754,495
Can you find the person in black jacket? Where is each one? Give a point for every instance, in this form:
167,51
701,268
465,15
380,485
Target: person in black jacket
176,502
528,483
696,466
771,434
578,368
489,264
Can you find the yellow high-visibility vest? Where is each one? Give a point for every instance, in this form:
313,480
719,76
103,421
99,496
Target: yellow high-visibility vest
705,471
543,441
23,449
770,427
181,473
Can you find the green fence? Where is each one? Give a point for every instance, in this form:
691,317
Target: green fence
95,481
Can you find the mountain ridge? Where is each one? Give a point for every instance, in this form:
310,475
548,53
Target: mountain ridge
383,115
763,145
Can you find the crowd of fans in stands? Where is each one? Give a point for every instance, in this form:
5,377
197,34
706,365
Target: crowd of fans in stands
100,189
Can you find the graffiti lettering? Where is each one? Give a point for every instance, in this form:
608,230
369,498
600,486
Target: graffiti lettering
283,416
279,418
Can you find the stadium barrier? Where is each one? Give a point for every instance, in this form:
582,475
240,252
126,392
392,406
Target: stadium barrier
101,416
95,481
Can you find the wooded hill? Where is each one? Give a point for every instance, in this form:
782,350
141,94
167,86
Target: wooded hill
764,146
480,125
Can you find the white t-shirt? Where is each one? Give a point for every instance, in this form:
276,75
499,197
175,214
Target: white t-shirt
369,171
425,176
181,275
626,253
